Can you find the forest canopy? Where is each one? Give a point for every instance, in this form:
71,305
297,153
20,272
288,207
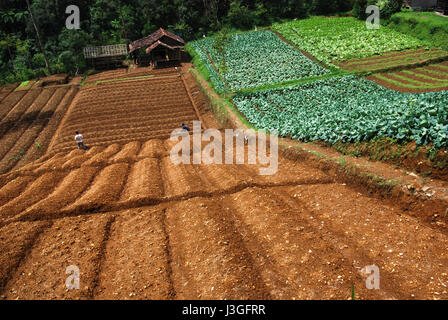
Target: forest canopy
33,45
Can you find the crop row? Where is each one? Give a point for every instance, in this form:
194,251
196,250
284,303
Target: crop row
126,111
21,142
123,73
256,59
348,109
401,60
428,78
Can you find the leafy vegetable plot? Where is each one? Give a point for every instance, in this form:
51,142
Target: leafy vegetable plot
256,59
332,40
348,109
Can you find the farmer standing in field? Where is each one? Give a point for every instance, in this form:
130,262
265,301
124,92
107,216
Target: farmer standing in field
79,139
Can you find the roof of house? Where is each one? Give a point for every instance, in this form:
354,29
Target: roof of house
160,43
154,37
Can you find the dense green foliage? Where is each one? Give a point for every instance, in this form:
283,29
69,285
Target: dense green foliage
387,8
119,21
338,39
423,25
255,59
348,109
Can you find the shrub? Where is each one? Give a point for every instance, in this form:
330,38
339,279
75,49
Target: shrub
387,8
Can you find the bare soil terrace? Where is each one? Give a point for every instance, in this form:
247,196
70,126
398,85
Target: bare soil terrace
29,119
140,227
131,109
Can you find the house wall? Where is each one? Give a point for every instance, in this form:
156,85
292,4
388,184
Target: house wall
160,54
442,6
423,4
170,42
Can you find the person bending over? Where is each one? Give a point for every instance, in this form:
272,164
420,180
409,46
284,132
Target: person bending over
79,139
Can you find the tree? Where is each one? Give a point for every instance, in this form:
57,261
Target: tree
240,16
359,9
38,36
211,11
7,42
220,43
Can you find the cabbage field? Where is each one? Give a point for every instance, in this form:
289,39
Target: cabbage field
256,59
332,40
348,109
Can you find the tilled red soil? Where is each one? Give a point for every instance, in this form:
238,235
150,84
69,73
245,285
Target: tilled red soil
129,110
29,119
139,227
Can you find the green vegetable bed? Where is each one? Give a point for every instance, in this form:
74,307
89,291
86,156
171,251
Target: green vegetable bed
256,59
332,40
348,109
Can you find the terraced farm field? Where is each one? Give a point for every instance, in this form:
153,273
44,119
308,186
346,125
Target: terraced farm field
125,73
29,119
334,40
433,77
395,60
139,227
6,90
127,110
348,109
255,59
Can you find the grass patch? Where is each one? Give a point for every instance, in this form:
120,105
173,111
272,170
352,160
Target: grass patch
220,106
294,82
428,160
204,68
426,26
24,84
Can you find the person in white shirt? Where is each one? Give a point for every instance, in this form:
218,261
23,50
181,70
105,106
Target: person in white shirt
79,139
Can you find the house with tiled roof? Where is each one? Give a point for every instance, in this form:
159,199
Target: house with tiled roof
163,47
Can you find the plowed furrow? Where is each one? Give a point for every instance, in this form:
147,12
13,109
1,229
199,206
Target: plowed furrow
5,91
69,242
180,179
140,113
57,161
209,259
102,157
65,193
78,160
35,191
128,152
144,181
295,263
135,264
9,102
16,239
119,139
13,188
29,136
396,243
153,148
15,119
120,136
106,188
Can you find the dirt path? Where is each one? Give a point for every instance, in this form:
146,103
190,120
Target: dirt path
139,227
